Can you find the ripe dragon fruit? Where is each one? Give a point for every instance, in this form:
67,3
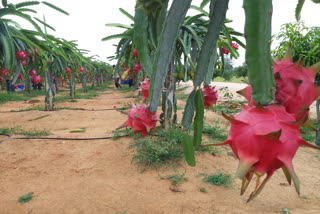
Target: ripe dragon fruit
145,89
1,79
135,52
81,69
293,83
235,46
4,72
68,69
141,120
36,50
32,73
210,96
136,68
21,55
264,139
24,63
225,50
36,79
20,76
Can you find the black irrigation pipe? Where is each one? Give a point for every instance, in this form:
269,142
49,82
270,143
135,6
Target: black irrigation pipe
8,137
52,138
72,109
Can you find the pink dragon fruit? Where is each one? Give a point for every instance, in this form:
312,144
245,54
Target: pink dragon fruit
24,63
225,50
21,55
295,87
210,96
20,76
32,73
145,89
36,79
136,68
141,120
235,46
36,50
264,139
135,52
1,79
68,69
81,69
4,72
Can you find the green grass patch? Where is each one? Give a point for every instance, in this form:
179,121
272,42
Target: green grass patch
165,150
19,131
204,190
219,179
310,135
226,109
215,132
34,108
233,79
126,88
25,198
176,179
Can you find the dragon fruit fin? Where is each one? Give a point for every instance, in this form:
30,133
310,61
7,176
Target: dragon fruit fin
259,189
273,135
293,175
288,54
232,120
305,143
227,142
300,62
309,125
246,181
315,67
243,168
287,174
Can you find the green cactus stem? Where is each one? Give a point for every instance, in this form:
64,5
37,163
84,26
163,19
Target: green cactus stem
258,55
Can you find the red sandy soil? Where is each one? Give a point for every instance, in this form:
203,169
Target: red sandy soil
99,176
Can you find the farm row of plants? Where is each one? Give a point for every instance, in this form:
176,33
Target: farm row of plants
164,45
38,59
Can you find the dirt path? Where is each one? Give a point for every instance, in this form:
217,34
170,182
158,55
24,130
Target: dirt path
99,176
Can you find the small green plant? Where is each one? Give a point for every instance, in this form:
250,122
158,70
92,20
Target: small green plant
226,93
219,179
124,133
73,101
305,197
176,179
164,150
215,132
285,211
25,198
317,156
202,189
19,131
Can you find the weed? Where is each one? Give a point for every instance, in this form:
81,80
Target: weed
219,179
127,89
73,101
226,93
317,156
215,132
285,211
202,189
19,131
165,150
176,179
25,198
124,133
226,109
305,197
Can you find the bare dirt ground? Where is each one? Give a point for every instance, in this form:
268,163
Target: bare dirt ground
99,176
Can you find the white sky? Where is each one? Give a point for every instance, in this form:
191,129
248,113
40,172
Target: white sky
87,20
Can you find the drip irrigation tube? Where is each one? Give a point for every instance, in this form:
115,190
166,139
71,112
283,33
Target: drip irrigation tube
73,109
51,138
